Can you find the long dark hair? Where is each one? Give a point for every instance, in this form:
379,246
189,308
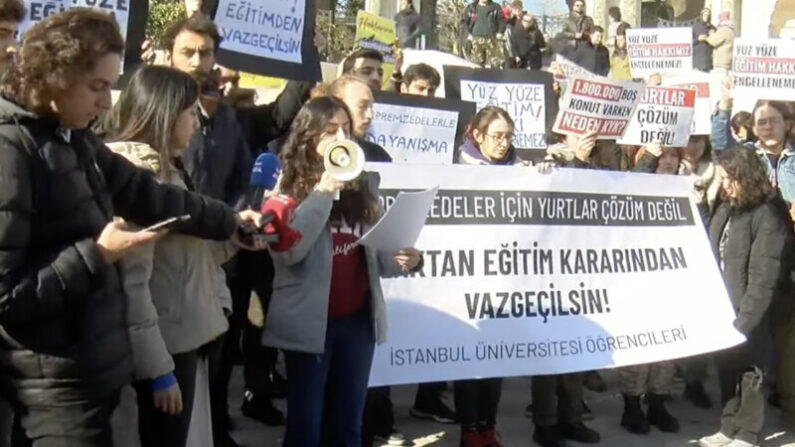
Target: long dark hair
149,107
744,167
302,166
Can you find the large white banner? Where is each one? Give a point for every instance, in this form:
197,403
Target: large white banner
659,50
529,273
764,69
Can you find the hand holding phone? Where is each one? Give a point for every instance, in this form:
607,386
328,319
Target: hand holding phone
168,224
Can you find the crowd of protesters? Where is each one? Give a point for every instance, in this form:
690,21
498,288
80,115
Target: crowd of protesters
99,313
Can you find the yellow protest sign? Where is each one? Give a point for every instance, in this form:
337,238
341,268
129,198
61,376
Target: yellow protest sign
376,33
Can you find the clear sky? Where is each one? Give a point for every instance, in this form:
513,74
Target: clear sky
553,7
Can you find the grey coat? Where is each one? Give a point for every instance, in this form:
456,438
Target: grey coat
172,287
298,311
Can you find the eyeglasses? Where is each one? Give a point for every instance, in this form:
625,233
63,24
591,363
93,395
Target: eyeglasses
500,138
773,120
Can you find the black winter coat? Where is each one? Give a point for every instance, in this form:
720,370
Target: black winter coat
527,44
63,329
702,52
496,19
595,59
757,260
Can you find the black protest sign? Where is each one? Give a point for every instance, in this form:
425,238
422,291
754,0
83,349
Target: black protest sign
526,95
419,129
268,37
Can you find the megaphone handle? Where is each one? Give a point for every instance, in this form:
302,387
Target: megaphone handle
336,195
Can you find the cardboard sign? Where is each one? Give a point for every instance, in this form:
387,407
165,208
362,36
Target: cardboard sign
268,37
764,69
659,50
523,94
418,129
376,33
664,114
599,104
530,274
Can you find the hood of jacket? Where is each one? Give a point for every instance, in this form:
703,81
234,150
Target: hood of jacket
471,155
11,111
141,155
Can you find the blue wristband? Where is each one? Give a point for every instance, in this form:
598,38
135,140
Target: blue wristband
163,382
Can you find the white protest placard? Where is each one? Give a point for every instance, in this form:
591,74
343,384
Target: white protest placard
38,10
659,50
268,37
570,69
599,104
664,114
521,93
529,274
702,111
400,226
130,15
764,69
272,29
414,135
523,102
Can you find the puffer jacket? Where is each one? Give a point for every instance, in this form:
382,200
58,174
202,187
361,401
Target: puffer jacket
63,332
756,260
179,275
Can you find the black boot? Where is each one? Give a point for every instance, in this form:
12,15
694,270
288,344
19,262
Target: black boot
261,410
658,415
580,433
695,393
633,418
549,436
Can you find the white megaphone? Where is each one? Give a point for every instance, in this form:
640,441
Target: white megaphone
343,160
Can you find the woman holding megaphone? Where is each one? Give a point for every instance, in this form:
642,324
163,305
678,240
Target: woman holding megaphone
327,310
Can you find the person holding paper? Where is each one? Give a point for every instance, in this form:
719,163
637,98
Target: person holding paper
751,237
328,310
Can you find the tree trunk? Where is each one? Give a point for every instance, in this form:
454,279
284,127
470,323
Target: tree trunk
326,5
428,11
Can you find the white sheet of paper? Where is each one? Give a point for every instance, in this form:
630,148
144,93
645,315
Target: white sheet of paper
400,226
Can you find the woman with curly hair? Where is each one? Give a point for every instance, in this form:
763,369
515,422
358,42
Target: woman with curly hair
751,236
64,347
327,310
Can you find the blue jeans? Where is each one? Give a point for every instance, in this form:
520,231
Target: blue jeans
345,365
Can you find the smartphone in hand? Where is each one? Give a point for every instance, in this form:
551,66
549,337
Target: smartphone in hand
168,224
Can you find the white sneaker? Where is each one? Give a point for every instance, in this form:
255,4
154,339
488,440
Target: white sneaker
738,443
716,440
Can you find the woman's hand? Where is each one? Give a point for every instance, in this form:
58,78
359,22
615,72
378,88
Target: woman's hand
585,146
546,166
116,239
726,86
792,211
654,148
408,258
251,222
328,184
169,400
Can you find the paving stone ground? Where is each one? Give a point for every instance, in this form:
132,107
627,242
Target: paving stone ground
516,429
